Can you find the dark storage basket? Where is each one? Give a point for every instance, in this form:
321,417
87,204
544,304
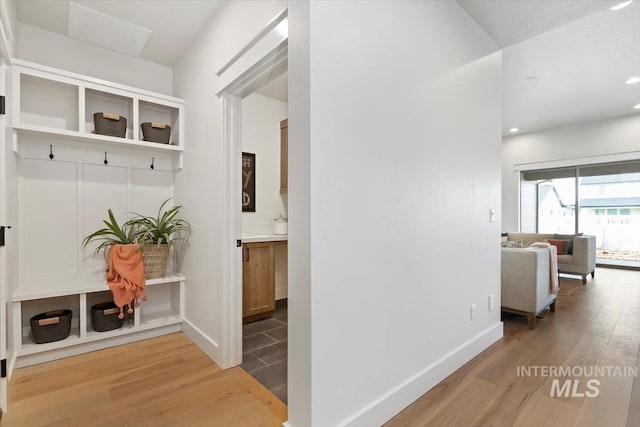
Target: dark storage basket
104,317
51,326
156,132
109,125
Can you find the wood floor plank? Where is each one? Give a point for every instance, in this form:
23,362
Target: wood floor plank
594,325
168,381
161,381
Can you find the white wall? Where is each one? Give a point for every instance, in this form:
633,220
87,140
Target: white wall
261,118
58,51
577,144
403,166
199,186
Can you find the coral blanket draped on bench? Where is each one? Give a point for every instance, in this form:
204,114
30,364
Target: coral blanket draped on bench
125,276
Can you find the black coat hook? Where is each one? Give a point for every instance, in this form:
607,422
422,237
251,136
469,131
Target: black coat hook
106,162
153,160
51,156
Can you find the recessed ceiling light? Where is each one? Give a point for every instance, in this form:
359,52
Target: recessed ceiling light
621,5
637,106
633,80
514,130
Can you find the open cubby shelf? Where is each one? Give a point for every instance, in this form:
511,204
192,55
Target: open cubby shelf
163,307
60,105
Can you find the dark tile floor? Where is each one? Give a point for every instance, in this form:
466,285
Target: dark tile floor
264,347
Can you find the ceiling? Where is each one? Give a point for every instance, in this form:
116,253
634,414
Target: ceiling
564,61
276,88
173,23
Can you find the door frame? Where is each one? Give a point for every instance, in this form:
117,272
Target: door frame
264,70
4,294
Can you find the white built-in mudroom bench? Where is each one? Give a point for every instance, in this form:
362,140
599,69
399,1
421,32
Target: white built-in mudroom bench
67,178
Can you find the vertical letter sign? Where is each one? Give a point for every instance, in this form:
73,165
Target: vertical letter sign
248,182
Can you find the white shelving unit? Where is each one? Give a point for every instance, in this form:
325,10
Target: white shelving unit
59,104
163,311
63,198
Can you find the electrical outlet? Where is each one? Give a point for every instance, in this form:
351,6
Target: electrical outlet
474,312
491,302
492,215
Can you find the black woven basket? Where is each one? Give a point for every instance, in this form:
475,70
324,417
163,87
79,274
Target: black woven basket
51,326
109,125
104,317
155,132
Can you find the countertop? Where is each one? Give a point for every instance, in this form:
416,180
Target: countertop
256,238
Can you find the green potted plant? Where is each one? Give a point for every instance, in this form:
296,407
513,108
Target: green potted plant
112,234
156,235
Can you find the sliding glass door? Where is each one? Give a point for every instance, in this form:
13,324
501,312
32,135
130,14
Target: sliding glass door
603,200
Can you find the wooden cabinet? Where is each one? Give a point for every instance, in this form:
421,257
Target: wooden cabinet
258,280
284,155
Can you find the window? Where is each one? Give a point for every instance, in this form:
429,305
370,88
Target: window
587,199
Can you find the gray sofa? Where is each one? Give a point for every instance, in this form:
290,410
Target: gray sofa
582,260
525,282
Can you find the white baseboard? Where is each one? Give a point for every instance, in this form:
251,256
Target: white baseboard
199,338
390,404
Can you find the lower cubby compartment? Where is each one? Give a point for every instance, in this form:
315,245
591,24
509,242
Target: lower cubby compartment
161,314
162,305
34,307
97,298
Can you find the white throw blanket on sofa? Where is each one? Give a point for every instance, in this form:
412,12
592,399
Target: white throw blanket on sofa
553,264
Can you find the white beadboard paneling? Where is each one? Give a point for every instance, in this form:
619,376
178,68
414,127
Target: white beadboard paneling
103,188
149,188
49,228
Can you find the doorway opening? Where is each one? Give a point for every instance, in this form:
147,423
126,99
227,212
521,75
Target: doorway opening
264,139
240,260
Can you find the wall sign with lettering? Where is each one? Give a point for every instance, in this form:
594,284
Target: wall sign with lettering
248,182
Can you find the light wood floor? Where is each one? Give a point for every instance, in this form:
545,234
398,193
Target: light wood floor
597,324
164,381
168,381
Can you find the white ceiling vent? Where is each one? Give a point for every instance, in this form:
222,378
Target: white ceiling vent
102,30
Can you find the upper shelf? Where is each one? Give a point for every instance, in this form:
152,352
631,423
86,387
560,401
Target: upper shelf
60,104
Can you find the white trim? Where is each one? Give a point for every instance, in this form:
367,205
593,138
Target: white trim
6,24
4,280
6,34
388,405
266,30
263,70
270,66
204,343
231,261
578,161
